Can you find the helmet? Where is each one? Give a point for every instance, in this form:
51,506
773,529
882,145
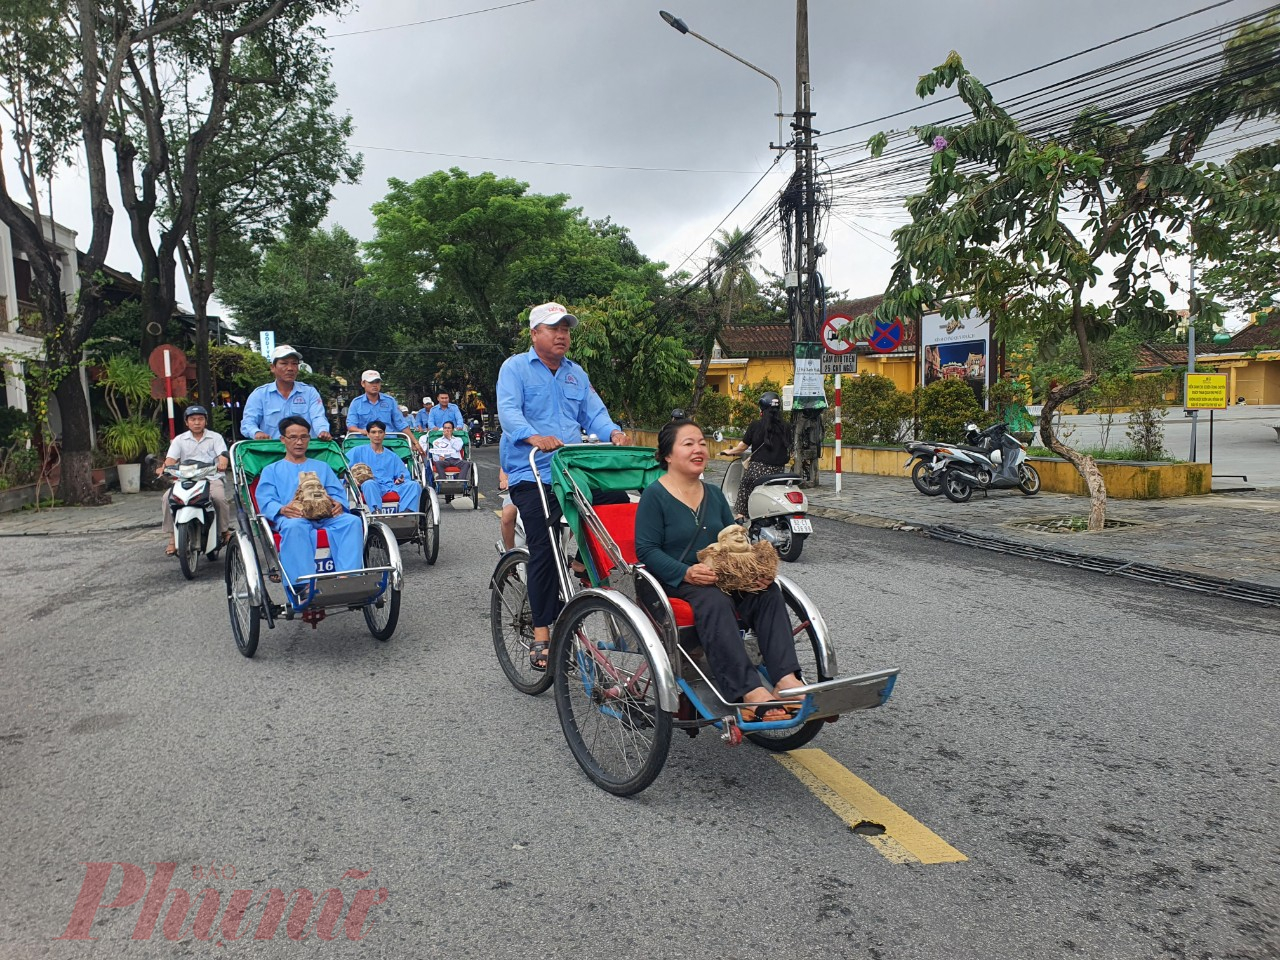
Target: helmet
195,410
769,399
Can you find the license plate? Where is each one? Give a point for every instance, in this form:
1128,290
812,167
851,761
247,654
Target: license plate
801,525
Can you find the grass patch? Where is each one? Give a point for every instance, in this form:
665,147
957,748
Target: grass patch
1101,453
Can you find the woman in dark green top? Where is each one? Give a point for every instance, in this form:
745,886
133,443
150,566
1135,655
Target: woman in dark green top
678,515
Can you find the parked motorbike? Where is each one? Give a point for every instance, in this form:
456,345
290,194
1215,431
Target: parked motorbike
927,473
776,509
195,521
994,460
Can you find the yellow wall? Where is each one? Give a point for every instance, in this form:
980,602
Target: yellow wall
1257,380
901,370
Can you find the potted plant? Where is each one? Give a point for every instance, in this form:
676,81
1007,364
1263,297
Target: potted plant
126,386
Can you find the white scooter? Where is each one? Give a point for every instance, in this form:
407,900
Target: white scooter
776,509
195,521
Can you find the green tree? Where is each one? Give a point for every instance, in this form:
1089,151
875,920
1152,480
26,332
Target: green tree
458,237
730,285
310,291
638,373
993,230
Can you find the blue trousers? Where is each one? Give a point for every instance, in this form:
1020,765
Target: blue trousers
410,494
298,543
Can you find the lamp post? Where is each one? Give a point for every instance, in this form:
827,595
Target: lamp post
677,24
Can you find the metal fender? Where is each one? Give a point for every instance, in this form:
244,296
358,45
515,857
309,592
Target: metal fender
186,514
393,549
430,492
244,543
664,677
826,653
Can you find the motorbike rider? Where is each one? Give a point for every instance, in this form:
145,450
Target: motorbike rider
207,446
770,443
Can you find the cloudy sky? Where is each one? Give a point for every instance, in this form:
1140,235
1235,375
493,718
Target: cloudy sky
567,94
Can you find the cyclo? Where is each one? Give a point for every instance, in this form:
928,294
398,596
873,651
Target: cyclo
625,661
450,482
253,561
422,528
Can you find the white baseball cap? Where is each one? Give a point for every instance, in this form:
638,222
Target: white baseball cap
550,313
369,376
428,402
284,350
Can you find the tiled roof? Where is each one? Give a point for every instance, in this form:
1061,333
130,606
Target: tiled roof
1262,334
756,339
1158,356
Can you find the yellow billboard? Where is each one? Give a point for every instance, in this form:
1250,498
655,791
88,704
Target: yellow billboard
1205,391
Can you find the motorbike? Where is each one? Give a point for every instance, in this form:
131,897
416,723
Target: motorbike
776,509
195,521
929,463
479,435
994,460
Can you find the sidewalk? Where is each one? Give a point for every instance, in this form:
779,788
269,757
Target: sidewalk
127,511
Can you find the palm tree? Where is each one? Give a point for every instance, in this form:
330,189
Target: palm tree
730,284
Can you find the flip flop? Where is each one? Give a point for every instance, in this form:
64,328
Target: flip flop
767,711
539,655
171,551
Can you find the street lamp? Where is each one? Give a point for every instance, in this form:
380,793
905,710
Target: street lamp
678,24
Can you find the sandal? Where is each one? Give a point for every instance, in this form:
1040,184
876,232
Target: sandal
539,655
765,711
171,550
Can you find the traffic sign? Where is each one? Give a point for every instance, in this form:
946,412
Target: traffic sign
833,363
886,336
832,342
177,361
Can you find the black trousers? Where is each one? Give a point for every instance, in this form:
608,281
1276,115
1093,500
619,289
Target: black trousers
717,624
543,583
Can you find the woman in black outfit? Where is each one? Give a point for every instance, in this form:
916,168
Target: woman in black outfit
770,443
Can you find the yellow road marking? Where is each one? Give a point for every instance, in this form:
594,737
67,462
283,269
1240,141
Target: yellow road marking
905,839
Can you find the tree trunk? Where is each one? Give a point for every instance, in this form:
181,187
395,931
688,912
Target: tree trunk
700,381
1085,465
77,474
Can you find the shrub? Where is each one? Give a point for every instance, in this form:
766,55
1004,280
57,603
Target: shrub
1145,431
714,411
945,407
873,410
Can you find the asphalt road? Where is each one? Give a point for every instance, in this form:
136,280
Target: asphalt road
1105,755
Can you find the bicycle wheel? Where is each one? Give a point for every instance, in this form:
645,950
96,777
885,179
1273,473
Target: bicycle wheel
429,530
807,653
512,624
190,537
607,698
246,618
381,614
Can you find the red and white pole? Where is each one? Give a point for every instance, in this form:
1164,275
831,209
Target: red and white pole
168,391
838,425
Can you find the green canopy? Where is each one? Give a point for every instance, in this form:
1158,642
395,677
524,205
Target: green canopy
596,467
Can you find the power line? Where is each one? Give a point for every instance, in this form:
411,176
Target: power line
547,163
418,23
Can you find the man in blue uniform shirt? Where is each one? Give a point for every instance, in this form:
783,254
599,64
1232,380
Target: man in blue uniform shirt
544,401
372,405
445,412
276,487
285,397
389,473
422,419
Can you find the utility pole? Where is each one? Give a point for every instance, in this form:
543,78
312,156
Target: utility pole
803,279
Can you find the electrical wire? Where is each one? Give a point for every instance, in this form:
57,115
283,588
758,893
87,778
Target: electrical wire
418,23
546,163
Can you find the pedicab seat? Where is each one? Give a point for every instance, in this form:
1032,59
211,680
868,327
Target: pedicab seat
619,519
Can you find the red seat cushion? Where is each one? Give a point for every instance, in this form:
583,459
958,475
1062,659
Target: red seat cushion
620,520
683,612
391,497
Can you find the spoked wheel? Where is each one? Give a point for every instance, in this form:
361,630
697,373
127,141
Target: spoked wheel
926,480
607,698
382,614
429,531
190,543
1028,479
512,623
246,618
957,490
807,653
